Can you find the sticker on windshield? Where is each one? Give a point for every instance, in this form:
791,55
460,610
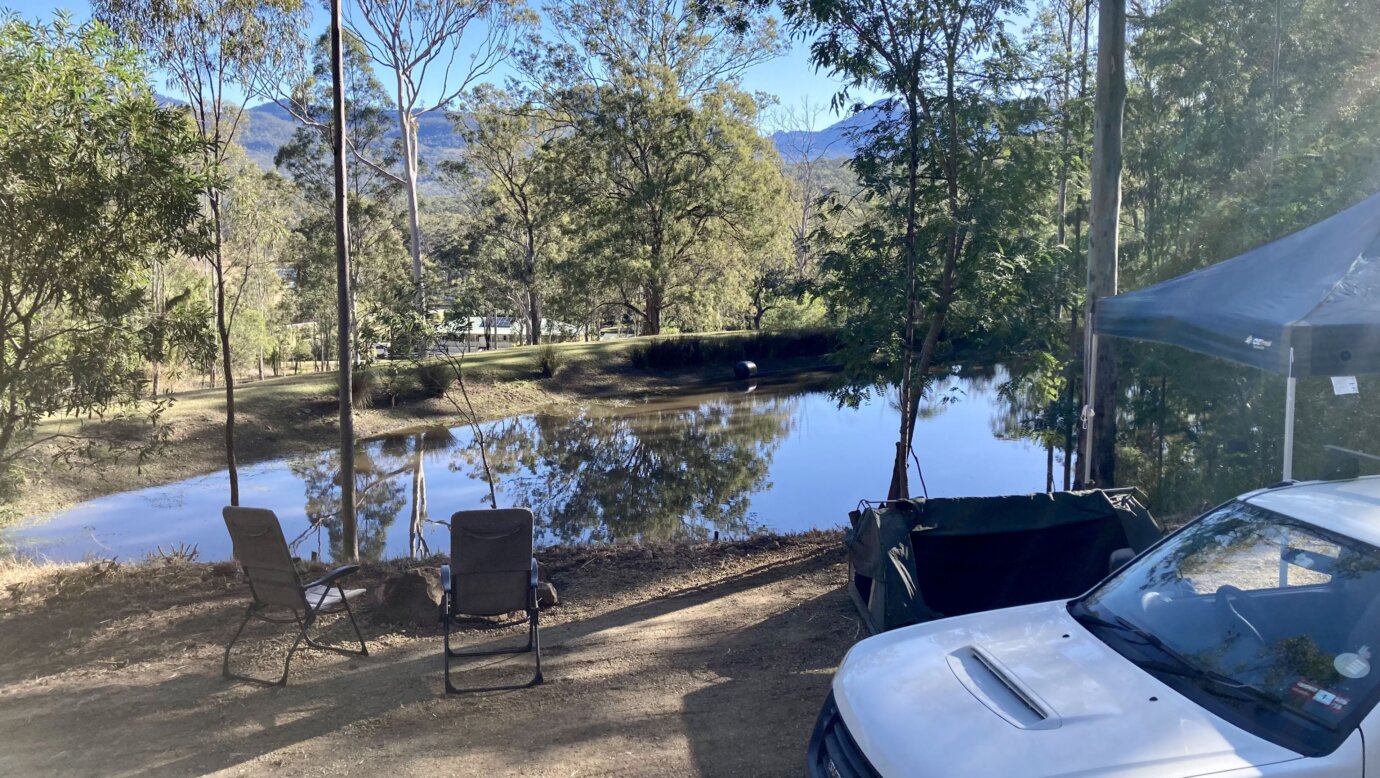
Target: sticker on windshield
1355,665
1308,691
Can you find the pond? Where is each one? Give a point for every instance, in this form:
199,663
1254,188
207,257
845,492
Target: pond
778,458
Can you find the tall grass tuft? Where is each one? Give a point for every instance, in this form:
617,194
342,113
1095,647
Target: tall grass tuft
434,378
549,360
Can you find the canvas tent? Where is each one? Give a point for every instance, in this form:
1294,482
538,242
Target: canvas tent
911,561
1305,305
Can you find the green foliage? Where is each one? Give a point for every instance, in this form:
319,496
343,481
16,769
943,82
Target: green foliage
678,192
763,347
365,385
549,360
435,378
96,188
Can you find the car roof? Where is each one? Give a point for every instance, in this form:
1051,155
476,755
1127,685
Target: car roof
1350,507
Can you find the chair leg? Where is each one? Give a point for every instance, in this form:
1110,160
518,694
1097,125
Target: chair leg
225,665
536,643
363,649
450,688
533,644
301,634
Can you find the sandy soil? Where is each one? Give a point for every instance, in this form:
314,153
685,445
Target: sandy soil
693,660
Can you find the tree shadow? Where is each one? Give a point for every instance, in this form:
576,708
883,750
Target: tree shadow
390,705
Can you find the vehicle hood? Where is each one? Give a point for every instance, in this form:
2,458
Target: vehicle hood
1026,692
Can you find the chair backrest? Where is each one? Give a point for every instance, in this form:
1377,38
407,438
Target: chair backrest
262,551
491,561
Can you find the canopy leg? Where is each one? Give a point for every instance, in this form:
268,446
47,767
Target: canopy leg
1089,396
1290,394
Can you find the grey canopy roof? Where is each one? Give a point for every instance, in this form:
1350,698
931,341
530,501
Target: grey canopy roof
1316,291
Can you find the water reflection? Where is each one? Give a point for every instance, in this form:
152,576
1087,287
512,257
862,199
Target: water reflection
1194,431
784,458
673,473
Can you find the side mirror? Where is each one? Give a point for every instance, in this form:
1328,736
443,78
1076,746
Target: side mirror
1118,559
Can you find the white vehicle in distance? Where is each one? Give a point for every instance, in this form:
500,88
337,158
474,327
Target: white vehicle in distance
1241,645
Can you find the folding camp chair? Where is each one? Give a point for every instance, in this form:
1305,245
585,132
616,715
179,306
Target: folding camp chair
494,575
262,551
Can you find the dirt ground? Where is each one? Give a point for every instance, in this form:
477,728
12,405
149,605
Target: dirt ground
707,659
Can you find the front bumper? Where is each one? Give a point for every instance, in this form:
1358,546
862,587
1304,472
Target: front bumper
833,753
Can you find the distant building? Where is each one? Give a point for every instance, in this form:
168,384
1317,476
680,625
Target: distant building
494,332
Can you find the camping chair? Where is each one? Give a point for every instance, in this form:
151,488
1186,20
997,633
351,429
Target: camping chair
262,551
495,574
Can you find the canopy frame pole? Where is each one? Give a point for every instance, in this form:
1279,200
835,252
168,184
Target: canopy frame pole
1290,395
1089,397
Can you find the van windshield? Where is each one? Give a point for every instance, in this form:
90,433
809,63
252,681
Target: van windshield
1267,621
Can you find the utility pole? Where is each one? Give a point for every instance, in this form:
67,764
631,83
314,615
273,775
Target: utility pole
349,530
1099,358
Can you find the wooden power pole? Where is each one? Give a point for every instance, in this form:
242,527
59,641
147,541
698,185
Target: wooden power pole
349,529
1099,359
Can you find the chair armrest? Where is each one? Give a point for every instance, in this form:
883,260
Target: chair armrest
533,582
445,578
330,578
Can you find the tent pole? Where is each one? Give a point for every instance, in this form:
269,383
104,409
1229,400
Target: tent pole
1089,393
1290,394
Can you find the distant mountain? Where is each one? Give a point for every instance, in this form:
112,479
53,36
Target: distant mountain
270,128
833,142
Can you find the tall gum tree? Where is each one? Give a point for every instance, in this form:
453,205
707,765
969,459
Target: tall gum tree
433,51
935,61
662,147
213,52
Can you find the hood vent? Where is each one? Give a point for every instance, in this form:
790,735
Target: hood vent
1000,691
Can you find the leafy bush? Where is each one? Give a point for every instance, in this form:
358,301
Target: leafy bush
549,360
434,378
697,351
364,386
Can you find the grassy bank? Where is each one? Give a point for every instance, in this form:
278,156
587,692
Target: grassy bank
294,415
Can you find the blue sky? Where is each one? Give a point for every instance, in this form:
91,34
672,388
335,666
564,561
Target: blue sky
790,77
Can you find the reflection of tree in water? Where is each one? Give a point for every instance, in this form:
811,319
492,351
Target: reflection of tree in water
660,474
380,494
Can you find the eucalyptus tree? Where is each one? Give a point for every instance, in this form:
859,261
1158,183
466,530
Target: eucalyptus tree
434,50
661,148
98,183
378,256
923,163
504,177
213,51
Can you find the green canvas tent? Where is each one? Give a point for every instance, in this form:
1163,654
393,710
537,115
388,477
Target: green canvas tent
915,560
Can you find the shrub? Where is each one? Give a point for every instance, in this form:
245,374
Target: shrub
434,378
364,385
395,381
697,351
549,360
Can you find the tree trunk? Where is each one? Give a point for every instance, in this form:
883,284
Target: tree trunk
223,330
534,315
900,471
653,300
1100,363
414,224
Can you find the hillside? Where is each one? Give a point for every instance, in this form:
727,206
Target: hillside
270,127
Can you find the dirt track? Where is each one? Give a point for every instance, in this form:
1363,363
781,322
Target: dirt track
708,660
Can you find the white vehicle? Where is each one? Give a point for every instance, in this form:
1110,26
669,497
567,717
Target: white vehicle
1241,645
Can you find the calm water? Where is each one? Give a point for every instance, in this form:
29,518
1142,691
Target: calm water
778,458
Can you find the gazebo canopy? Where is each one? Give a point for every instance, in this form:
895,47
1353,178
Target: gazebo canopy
1316,292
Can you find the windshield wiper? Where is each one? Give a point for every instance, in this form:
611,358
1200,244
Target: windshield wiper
1181,665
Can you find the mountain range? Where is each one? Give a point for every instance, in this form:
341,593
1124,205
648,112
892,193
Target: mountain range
270,127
